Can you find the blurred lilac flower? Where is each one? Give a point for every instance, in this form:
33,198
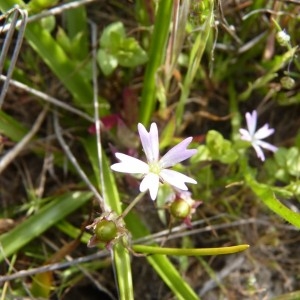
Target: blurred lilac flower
156,169
255,137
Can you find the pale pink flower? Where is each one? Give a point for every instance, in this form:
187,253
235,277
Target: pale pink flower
255,137
156,169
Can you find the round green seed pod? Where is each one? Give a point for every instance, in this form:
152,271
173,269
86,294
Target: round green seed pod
106,231
180,209
287,82
283,38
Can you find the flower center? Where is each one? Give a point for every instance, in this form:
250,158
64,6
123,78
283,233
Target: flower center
154,167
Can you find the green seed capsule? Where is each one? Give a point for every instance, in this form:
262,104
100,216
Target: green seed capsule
106,231
180,209
287,82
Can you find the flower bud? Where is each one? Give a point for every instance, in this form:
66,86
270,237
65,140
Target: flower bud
180,209
106,231
283,38
287,82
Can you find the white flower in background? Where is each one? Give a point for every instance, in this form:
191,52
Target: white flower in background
156,169
255,137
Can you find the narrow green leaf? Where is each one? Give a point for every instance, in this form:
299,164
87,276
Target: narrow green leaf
156,55
265,193
76,23
166,270
110,194
207,17
11,128
161,264
35,225
123,266
54,56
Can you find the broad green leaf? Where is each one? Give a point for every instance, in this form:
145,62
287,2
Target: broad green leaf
293,161
111,35
202,154
107,62
131,54
220,149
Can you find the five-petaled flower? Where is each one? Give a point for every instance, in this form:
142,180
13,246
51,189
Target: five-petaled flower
255,137
156,169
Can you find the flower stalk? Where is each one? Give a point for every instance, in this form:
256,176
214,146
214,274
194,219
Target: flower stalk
189,252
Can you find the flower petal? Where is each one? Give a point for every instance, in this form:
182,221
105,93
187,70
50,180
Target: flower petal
149,141
245,135
259,152
176,179
177,154
267,146
130,165
263,132
151,183
251,120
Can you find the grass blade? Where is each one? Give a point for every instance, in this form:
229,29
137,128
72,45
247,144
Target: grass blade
196,56
267,196
34,226
156,55
171,277
57,60
110,194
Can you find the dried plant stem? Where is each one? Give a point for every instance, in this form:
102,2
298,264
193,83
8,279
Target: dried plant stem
12,154
47,98
12,26
55,266
51,12
75,163
96,120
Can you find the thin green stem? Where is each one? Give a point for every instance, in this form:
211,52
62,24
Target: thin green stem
131,205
